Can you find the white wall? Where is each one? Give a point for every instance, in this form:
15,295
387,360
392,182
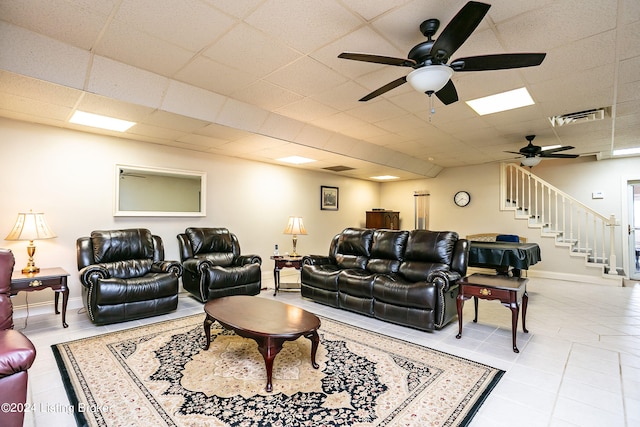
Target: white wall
69,176
577,177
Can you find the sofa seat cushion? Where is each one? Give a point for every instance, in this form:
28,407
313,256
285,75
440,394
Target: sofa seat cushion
150,287
396,290
219,277
356,282
321,276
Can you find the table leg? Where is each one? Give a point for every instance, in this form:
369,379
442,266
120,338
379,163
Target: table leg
515,311
207,331
459,305
269,347
65,300
55,299
315,340
475,306
525,302
276,281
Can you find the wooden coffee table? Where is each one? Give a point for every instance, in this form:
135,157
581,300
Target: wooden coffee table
269,323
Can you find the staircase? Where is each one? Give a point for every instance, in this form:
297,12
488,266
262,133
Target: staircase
584,232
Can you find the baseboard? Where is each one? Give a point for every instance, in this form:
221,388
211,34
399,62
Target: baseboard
45,307
615,281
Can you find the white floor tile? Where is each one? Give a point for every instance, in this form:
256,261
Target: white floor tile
579,365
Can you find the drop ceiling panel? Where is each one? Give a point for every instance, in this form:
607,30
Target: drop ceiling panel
203,74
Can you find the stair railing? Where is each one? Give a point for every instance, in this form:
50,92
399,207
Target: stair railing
559,214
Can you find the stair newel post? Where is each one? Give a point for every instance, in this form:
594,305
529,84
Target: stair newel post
613,269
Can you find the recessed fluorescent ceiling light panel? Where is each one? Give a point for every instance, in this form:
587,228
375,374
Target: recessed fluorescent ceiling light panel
626,151
98,121
384,177
501,102
296,160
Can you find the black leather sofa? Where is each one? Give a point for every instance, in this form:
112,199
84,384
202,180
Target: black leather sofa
405,277
124,275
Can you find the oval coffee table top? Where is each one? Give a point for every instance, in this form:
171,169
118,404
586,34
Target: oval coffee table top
261,316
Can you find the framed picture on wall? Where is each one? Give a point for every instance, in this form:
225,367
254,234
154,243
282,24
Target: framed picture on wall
328,198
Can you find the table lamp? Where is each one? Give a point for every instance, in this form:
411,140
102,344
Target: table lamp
295,227
30,226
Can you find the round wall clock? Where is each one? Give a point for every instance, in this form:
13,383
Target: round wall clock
462,198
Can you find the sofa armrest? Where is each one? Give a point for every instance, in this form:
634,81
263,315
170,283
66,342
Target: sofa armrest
444,279
249,259
90,274
17,352
316,260
167,267
197,265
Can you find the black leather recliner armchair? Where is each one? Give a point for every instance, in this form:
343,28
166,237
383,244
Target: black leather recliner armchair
213,266
125,277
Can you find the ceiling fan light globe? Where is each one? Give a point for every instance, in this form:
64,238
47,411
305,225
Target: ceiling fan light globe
430,78
530,161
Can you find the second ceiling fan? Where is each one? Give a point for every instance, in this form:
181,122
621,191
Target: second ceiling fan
429,59
534,153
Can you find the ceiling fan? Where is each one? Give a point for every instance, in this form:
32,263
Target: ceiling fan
533,154
431,73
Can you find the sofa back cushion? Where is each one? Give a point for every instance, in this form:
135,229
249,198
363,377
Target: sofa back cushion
387,251
354,248
122,245
427,251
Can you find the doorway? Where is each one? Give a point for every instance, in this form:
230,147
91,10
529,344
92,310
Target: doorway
634,229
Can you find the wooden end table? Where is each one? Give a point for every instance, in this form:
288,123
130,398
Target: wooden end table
53,278
282,262
511,291
269,323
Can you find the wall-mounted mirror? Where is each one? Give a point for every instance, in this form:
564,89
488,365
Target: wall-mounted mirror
147,191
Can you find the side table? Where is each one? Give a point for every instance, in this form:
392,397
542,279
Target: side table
510,291
282,262
53,278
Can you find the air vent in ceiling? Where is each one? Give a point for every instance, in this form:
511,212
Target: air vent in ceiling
579,117
339,168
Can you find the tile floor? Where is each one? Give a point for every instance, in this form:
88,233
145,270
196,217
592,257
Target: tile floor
578,366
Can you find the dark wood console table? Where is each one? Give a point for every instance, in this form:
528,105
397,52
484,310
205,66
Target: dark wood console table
53,278
510,291
282,262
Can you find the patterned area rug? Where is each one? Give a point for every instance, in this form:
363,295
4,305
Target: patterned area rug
159,375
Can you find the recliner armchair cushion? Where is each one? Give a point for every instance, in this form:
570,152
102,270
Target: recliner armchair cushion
216,243
119,291
218,277
122,245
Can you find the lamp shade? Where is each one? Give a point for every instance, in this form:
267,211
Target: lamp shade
530,161
295,226
30,226
430,78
